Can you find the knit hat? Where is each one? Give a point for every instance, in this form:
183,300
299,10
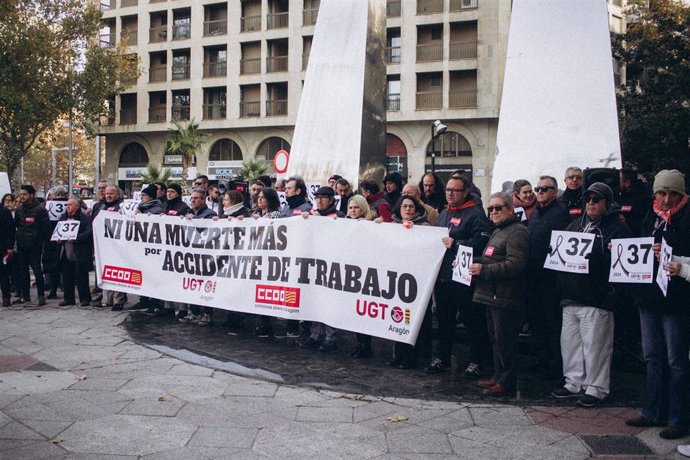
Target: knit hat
669,180
175,187
600,189
151,191
324,191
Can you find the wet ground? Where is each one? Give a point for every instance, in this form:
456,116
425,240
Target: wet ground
337,370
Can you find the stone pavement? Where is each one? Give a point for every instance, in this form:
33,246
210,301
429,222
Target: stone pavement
74,385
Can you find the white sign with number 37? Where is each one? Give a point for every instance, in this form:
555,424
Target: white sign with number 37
632,260
569,251
461,270
66,230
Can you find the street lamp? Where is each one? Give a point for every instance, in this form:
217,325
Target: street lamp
437,128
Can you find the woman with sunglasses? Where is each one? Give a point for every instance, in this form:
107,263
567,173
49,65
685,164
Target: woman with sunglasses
499,274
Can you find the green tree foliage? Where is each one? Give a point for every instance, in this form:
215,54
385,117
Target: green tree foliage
185,140
154,174
51,66
655,101
251,170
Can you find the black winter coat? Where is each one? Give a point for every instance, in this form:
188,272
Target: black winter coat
7,231
175,207
553,216
635,205
33,226
83,245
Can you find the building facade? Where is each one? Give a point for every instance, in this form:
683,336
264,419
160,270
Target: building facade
237,68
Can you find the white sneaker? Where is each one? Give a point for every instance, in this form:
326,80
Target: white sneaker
191,317
684,449
205,320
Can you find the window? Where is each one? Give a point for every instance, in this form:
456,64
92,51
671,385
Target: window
225,150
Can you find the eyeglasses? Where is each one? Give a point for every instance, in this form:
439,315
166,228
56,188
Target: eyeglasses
573,177
407,206
455,190
198,184
544,189
495,208
593,199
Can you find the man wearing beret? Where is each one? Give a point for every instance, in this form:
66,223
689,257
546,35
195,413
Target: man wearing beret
665,320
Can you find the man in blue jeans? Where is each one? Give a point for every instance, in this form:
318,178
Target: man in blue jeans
665,320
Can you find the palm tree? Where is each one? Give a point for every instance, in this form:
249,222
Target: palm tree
251,170
154,174
184,140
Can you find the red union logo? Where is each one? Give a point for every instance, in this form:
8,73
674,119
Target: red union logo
397,314
277,295
122,275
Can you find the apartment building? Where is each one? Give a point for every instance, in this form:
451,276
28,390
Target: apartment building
237,67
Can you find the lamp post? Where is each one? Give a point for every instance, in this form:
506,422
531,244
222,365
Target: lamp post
70,158
437,128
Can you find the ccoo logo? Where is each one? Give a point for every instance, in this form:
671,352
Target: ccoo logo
277,295
122,275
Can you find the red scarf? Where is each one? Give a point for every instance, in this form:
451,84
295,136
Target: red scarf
467,204
665,216
530,206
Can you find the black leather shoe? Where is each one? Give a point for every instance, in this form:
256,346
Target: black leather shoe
66,303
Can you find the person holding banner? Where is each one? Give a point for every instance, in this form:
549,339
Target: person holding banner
296,196
150,204
468,226
76,256
55,205
174,206
111,203
588,300
499,275
233,205
268,204
665,320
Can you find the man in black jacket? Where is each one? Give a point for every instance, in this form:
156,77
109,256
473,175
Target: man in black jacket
7,231
587,300
468,226
33,227
572,195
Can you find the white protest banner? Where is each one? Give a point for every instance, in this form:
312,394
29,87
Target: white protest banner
461,271
291,268
632,260
66,230
662,276
129,207
56,209
569,251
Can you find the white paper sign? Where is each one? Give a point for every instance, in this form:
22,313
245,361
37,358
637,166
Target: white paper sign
282,198
461,271
56,209
632,260
129,207
662,276
312,187
136,196
66,230
520,212
568,252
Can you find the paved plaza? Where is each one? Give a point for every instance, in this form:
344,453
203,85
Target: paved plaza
74,384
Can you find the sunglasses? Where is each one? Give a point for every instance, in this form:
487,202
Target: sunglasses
495,208
593,199
544,189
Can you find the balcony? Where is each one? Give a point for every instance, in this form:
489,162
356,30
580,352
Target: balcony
181,31
215,69
393,9
158,34
214,111
276,108
213,28
429,100
107,41
250,23
466,50
430,52
249,66
126,3
129,36
157,115
462,99
277,64
180,113
392,55
128,116
429,6
459,5
250,109
309,17
157,73
393,103
180,71
277,20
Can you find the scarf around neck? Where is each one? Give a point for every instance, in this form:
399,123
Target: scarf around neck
665,216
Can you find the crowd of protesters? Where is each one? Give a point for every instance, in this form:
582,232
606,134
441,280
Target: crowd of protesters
570,315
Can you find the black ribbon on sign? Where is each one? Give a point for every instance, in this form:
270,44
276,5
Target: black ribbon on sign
559,241
619,260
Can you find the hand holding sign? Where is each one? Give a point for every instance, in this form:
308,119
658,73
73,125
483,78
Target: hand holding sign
66,230
569,251
632,260
461,269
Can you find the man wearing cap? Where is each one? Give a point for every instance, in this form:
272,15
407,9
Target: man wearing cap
572,195
665,320
325,204
150,204
587,300
174,206
33,229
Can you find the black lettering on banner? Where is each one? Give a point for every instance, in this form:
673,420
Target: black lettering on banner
113,228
